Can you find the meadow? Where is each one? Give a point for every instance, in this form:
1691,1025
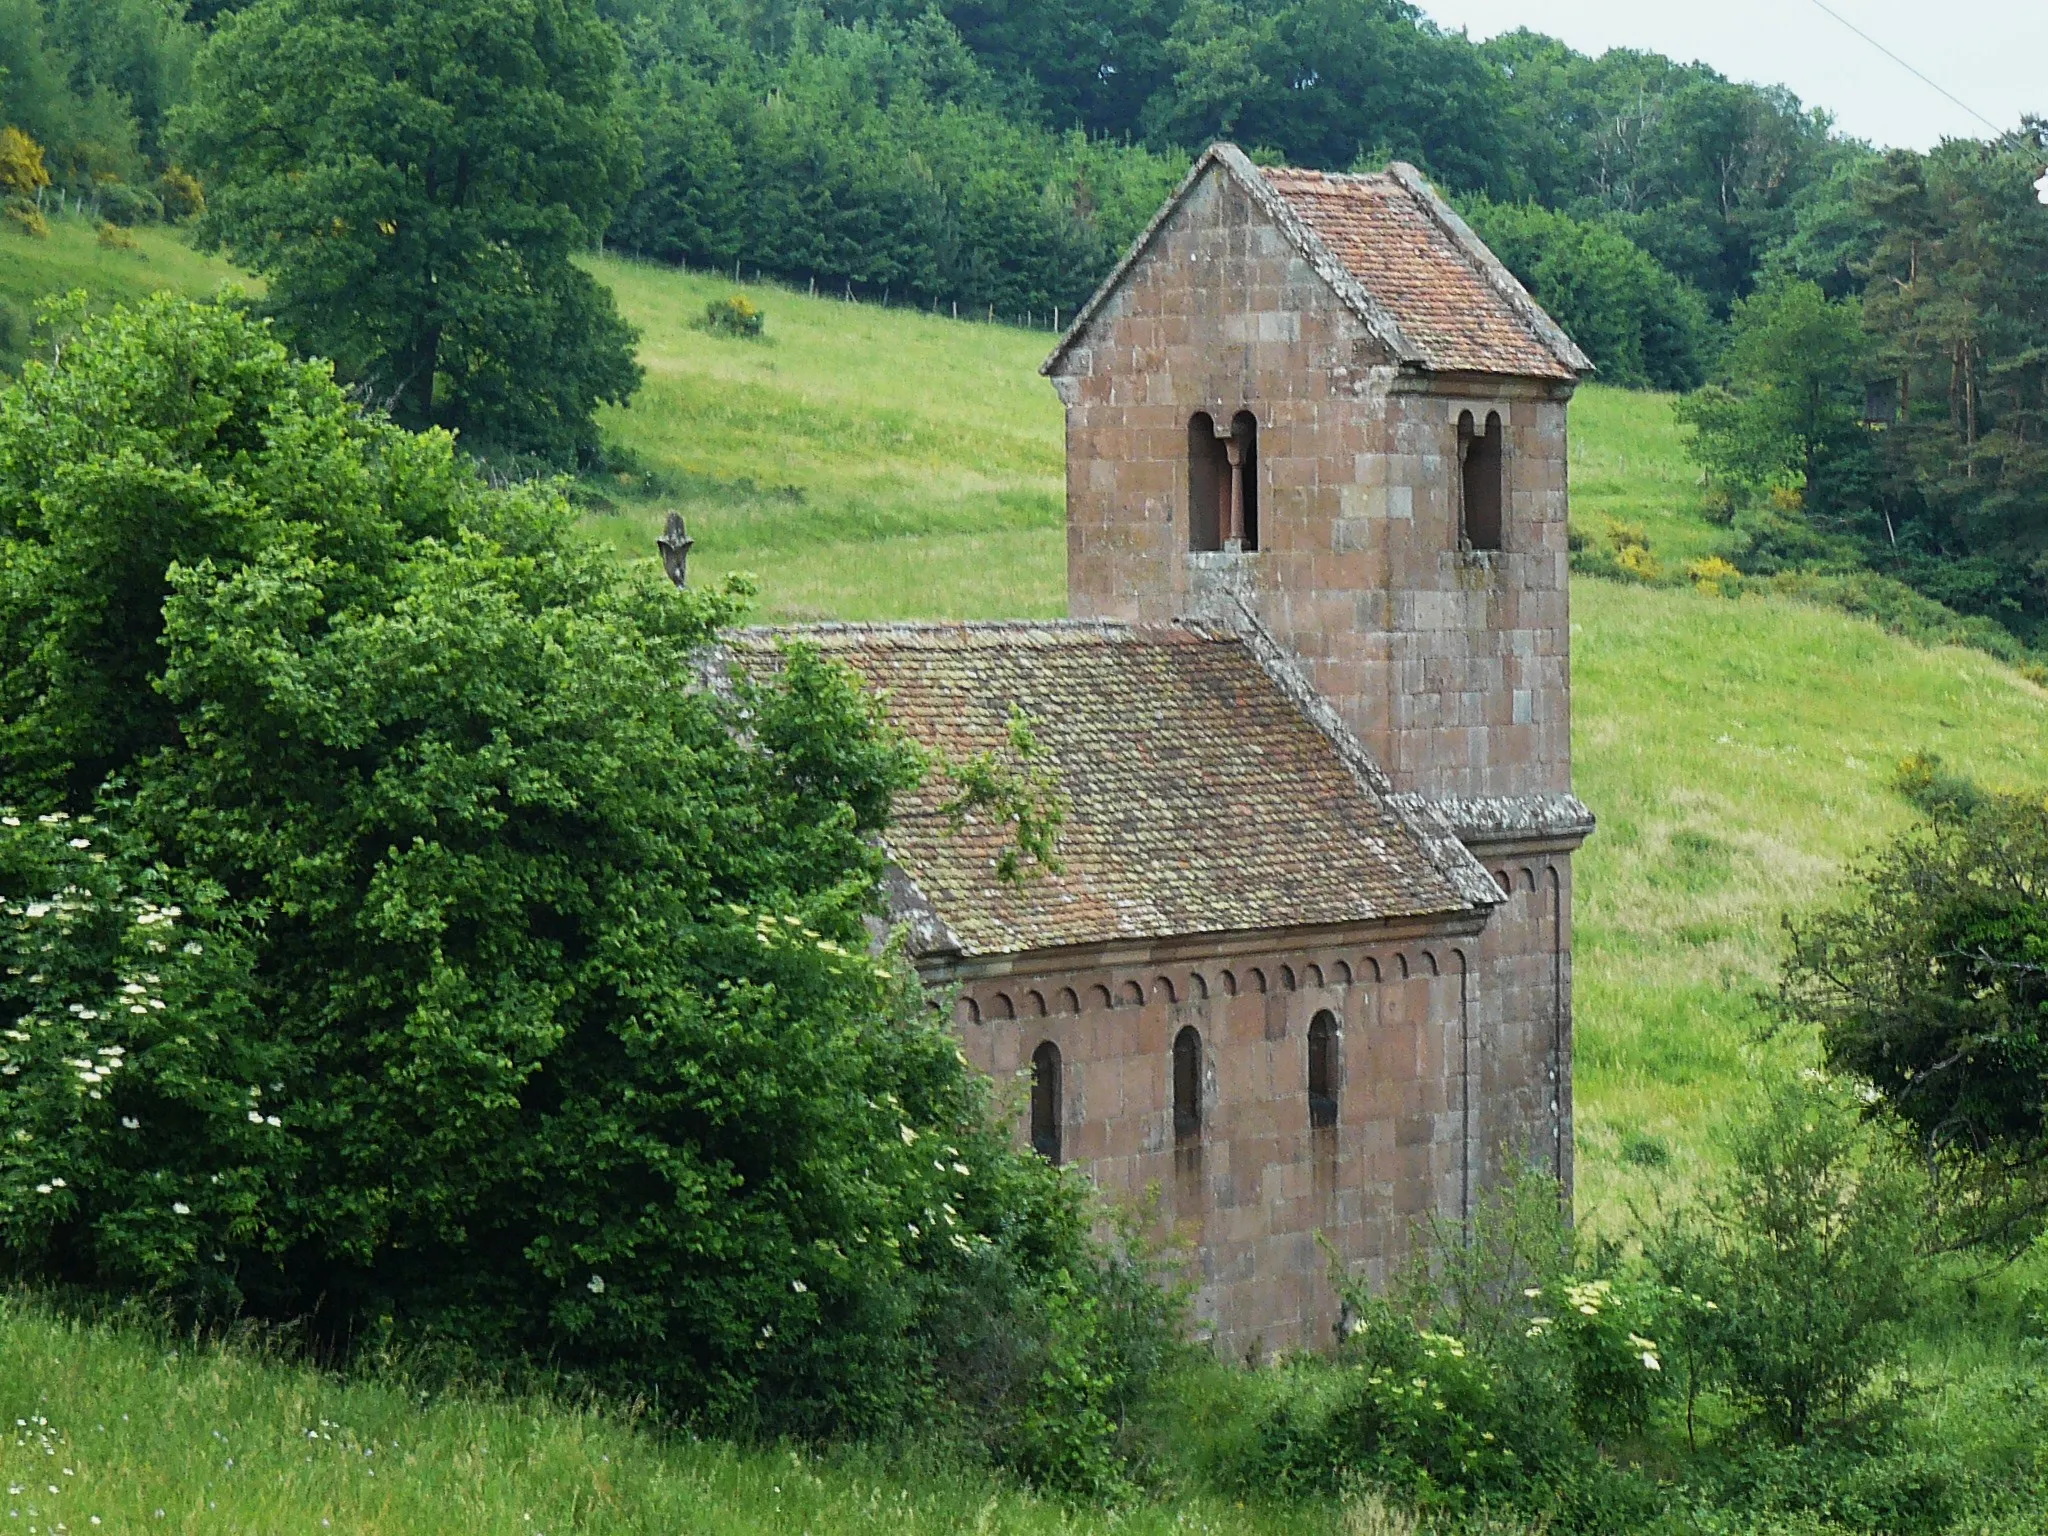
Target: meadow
865,463
73,257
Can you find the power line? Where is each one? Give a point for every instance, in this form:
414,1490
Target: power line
1923,79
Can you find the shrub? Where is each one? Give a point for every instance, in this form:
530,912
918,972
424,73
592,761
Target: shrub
736,315
551,965
25,218
112,237
1714,576
22,171
125,206
180,194
1635,562
1464,1386
1807,1243
1928,984
1627,556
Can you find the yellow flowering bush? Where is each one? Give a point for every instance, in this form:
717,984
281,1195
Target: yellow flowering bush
1713,575
737,315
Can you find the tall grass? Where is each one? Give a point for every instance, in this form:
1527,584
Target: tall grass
139,1432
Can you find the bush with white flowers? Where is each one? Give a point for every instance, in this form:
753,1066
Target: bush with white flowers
460,969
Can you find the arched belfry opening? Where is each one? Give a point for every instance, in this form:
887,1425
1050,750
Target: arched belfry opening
1045,1102
1223,484
1208,485
1482,462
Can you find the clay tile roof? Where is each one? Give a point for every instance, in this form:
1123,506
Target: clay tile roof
1392,242
1202,799
1397,254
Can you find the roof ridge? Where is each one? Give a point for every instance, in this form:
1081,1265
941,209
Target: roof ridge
979,628
1270,189
1439,841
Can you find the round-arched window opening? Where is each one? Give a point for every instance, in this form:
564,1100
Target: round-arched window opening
1045,1102
1482,494
1187,1085
1322,1070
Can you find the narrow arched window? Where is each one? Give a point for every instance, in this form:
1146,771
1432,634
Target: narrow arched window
1045,1101
1481,463
1208,485
1322,1070
1187,1085
1243,450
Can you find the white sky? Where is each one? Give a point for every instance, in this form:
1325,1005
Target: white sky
1991,53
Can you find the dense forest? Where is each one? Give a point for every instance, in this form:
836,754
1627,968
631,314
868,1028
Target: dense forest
994,160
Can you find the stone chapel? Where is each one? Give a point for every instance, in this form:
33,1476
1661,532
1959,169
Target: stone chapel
1308,967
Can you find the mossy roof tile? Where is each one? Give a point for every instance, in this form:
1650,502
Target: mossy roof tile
1202,799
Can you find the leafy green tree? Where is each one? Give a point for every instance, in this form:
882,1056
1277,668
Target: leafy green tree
86,133
472,971
139,49
413,177
1324,82
1957,304
1805,1244
879,158
1789,402
1638,323
1931,984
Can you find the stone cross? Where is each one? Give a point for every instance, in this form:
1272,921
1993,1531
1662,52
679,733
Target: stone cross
674,545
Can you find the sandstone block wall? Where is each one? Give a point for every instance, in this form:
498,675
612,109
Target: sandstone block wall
1250,1197
1451,665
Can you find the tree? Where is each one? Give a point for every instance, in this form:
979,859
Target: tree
1788,405
1957,304
413,178
1931,984
1805,1243
1638,323
88,134
470,972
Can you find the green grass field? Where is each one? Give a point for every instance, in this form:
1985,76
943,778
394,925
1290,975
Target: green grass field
866,463
880,464
72,257
117,1429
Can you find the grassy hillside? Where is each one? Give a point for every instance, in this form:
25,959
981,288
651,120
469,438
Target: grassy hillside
868,464
72,257
862,462
872,464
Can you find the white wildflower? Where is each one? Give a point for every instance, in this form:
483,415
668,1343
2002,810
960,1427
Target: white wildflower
798,1286
180,1208
81,842
596,1285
